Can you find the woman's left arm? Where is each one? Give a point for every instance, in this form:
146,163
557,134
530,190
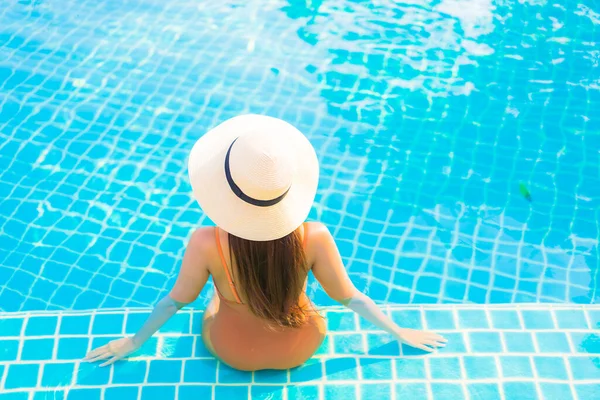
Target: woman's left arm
190,282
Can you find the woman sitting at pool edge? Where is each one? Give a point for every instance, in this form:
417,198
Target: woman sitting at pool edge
256,177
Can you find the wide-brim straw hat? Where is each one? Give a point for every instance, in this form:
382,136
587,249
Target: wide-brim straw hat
254,176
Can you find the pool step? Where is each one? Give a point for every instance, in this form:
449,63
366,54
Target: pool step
516,351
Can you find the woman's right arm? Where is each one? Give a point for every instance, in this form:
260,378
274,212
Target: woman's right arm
331,274
192,277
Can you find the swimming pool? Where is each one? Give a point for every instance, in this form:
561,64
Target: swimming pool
426,118
459,148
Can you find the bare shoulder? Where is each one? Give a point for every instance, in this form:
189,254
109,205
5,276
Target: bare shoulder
202,241
199,251
202,236
319,235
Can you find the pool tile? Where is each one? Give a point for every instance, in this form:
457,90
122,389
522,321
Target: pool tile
158,392
439,319
594,316
200,349
520,391
555,391
41,325
346,392
399,296
57,374
84,394
377,391
382,345
552,342
14,396
348,344
197,322
74,324
192,392
341,369
267,392
311,370
341,321
587,390
585,367
231,392
586,342
571,319
108,324
550,367
412,351
303,392
121,393
518,342
72,348
37,349
21,376
485,342
178,347
11,326
407,318
484,391
427,283
231,375
325,347
271,376
472,319
165,371
516,367
49,395
375,368
444,391
9,350
129,372
444,368
92,374
537,319
456,343
411,391
410,368
480,367
505,319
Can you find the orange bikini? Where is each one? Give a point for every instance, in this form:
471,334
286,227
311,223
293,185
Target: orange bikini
243,340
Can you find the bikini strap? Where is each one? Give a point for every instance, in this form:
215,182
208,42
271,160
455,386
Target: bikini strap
224,264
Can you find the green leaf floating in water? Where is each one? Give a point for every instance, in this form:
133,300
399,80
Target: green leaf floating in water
524,191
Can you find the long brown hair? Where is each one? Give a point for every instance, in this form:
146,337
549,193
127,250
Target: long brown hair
271,274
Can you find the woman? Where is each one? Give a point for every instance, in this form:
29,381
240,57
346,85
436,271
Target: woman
256,177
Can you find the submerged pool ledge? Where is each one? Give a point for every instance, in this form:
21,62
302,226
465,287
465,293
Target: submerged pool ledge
515,351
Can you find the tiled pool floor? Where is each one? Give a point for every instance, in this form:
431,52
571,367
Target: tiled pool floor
494,352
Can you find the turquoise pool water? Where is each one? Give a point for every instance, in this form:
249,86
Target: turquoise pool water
460,149
428,117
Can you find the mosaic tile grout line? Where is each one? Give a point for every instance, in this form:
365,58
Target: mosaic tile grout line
421,143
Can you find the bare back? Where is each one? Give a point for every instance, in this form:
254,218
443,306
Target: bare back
202,259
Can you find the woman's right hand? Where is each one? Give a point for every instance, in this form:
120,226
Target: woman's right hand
426,341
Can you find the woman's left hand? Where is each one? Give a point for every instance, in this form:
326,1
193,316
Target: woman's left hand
426,341
113,351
